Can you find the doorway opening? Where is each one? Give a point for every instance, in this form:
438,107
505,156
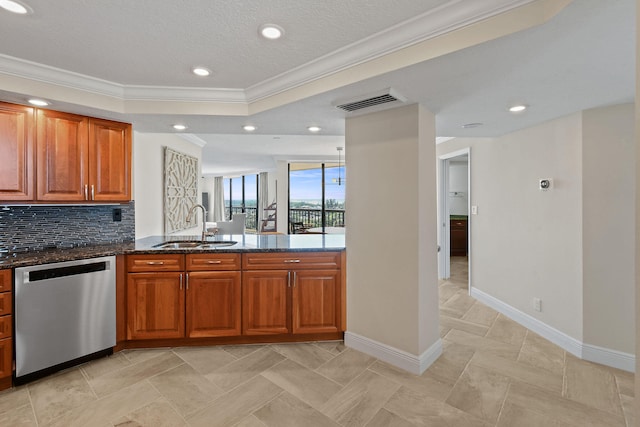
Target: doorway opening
455,213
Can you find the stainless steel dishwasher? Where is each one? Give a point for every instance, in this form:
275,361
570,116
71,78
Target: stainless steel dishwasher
65,313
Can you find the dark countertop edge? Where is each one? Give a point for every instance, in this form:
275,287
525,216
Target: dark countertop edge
458,217
143,246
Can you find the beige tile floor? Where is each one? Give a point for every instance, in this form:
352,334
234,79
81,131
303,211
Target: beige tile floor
493,372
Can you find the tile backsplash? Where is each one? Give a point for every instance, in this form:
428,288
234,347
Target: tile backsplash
32,228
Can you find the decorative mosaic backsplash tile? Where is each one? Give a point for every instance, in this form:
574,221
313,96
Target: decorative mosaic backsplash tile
31,228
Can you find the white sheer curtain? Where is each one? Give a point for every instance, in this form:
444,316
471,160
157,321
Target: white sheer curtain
218,199
263,195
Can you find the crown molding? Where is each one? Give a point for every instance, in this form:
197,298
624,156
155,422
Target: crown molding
446,18
17,67
451,16
169,93
194,139
46,74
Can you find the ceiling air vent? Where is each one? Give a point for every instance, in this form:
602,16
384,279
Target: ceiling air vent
387,98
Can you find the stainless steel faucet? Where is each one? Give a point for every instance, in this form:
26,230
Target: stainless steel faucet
204,219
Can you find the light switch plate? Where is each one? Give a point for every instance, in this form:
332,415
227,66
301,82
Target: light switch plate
474,210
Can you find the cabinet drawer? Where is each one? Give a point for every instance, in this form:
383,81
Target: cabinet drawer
5,281
213,262
160,262
5,303
290,260
5,327
459,224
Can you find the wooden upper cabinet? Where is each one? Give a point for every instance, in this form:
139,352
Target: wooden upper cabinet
109,161
51,156
17,128
63,144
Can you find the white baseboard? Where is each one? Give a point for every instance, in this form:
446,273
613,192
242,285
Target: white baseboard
592,353
399,358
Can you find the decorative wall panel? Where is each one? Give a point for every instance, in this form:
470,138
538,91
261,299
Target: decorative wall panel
180,189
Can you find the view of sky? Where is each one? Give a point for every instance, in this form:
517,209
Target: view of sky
304,185
307,184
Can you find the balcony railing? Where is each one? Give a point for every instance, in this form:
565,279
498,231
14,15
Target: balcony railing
313,217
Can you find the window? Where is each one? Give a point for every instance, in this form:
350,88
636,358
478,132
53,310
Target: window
316,198
241,196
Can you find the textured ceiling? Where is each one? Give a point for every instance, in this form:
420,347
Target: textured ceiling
583,57
155,42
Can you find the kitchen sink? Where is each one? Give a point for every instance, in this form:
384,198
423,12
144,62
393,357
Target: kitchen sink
177,245
217,244
191,244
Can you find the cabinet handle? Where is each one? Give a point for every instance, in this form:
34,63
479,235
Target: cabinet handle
86,192
295,277
288,279
214,262
155,262
187,281
180,281
93,192
291,260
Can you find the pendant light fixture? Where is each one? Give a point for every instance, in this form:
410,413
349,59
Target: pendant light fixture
339,180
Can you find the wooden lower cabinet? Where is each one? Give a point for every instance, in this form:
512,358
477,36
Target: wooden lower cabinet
6,328
196,298
458,237
306,299
265,302
155,303
214,297
6,358
315,301
213,304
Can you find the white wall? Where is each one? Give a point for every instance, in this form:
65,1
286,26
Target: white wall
392,295
458,182
608,214
148,176
569,245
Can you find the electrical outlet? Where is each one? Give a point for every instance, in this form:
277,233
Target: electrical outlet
537,304
117,215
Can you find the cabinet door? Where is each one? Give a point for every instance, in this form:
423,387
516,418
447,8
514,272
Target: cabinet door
458,238
16,151
316,301
155,305
62,150
265,306
213,304
6,357
109,161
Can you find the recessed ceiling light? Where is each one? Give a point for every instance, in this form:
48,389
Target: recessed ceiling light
15,7
518,108
179,127
314,129
38,102
249,128
201,71
271,31
471,125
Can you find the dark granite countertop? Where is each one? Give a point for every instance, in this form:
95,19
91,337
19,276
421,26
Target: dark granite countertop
458,217
246,243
